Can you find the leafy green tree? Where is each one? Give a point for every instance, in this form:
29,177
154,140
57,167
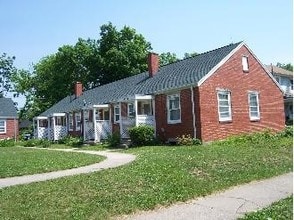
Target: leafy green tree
116,55
288,66
7,69
167,58
124,53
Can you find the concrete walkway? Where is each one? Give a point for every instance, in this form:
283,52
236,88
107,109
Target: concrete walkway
113,159
230,204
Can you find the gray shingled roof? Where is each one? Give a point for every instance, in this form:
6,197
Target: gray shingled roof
7,108
172,76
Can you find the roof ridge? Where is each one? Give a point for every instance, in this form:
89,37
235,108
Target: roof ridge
209,51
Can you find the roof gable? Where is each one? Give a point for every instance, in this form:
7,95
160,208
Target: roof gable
7,108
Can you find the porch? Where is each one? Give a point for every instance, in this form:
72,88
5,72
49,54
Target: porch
52,128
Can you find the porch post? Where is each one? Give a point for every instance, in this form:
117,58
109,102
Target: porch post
48,128
53,122
136,112
110,123
94,124
120,121
84,132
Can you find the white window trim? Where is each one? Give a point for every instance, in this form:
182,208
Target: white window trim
3,132
223,119
131,114
114,120
78,128
70,116
254,118
245,63
169,121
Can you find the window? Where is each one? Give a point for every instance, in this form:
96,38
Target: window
78,121
253,101
145,107
174,109
60,120
224,106
70,122
245,64
131,111
116,113
2,126
43,123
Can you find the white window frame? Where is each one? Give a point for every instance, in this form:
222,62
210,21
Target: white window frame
131,113
254,118
229,106
3,127
245,63
169,98
116,114
78,120
70,122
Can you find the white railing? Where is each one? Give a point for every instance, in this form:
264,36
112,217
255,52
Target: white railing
145,120
103,129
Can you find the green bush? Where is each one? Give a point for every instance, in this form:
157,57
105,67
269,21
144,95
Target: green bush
287,132
37,143
71,141
113,140
7,143
187,140
142,135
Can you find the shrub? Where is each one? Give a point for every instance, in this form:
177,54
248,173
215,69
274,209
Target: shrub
37,143
71,141
187,140
142,135
113,140
287,132
7,143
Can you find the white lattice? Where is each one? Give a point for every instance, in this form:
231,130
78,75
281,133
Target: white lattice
59,132
89,131
50,134
42,133
126,123
103,129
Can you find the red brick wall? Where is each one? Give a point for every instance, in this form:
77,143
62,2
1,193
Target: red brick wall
164,130
231,76
11,125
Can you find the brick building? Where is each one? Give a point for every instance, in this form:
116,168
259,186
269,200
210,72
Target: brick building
210,96
8,119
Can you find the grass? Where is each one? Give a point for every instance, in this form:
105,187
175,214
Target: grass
282,209
159,177
18,161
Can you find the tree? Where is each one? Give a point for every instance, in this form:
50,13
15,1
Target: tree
288,66
124,53
116,55
187,55
7,69
167,58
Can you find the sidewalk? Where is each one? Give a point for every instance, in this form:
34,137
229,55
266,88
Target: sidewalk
230,204
113,159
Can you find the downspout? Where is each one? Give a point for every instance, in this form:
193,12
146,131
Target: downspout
14,130
193,112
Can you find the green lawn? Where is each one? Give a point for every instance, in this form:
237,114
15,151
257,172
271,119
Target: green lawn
18,161
280,210
159,176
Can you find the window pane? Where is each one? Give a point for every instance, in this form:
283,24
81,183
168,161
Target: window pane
224,109
225,114
1,123
223,96
224,103
254,114
175,114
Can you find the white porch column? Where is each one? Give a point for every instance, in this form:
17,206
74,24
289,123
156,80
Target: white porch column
53,122
94,125
136,112
84,125
37,129
48,128
120,121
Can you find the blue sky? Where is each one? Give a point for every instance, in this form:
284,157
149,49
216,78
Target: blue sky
32,29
